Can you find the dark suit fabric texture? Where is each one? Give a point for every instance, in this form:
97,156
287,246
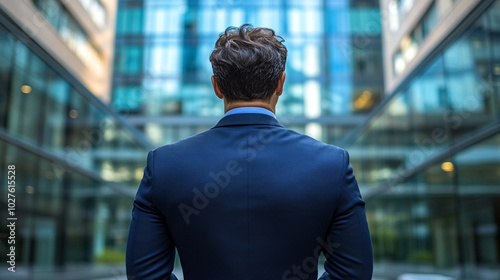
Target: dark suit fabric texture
249,200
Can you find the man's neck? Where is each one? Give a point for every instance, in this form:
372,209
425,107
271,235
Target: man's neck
253,103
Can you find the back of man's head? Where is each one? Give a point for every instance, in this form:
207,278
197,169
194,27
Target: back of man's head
247,63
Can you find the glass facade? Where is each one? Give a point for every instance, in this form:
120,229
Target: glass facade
77,166
427,159
162,68
411,44
97,12
71,32
429,163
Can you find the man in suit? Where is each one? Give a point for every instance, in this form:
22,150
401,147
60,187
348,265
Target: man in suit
249,199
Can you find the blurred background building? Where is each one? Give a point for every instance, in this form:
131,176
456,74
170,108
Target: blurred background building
74,180
409,87
162,71
428,158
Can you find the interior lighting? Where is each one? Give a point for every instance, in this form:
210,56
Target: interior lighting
405,43
26,89
73,114
447,166
139,172
496,70
30,189
363,100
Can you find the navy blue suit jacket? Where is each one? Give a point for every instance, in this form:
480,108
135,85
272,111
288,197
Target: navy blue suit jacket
249,199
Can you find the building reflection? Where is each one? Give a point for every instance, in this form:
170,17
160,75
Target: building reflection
162,72
429,159
77,162
421,121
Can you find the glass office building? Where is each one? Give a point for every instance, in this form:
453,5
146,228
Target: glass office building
77,163
162,68
428,159
421,122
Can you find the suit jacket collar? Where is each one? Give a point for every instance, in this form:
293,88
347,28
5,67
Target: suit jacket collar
247,119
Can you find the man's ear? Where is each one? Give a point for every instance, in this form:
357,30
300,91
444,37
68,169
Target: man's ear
281,82
216,88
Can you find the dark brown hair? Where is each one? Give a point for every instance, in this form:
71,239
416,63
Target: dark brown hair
247,62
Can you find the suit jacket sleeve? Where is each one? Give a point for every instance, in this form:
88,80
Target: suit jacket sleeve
150,248
348,248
